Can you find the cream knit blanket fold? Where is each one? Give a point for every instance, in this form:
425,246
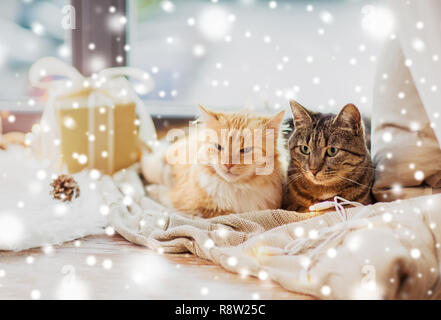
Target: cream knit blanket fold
384,251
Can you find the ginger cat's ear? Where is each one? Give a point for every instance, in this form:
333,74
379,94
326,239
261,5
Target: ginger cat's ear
275,121
301,115
207,115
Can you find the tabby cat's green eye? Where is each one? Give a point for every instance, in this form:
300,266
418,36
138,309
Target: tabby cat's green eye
332,151
305,150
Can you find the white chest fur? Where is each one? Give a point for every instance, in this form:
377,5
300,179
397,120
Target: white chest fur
240,197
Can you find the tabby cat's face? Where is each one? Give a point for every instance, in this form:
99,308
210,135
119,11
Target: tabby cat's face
326,148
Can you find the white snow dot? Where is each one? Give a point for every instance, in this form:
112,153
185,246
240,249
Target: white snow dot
107,264
331,252
419,175
397,188
387,137
82,159
167,6
127,200
204,291
415,253
41,174
387,217
414,126
419,45
35,294
299,231
110,231
198,50
326,17
326,290
104,210
305,262
209,243
232,261
313,234
91,260
263,275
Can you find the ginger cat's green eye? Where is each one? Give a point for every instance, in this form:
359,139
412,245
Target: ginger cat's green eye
218,147
331,151
305,150
245,150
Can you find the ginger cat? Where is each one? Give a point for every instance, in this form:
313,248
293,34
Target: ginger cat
233,163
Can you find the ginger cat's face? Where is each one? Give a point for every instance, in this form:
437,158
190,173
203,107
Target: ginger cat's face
239,145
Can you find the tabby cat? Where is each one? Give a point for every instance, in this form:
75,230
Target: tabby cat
329,157
215,187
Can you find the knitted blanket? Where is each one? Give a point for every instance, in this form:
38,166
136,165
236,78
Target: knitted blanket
382,251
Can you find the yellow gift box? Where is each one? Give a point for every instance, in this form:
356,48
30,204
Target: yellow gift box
103,137
91,123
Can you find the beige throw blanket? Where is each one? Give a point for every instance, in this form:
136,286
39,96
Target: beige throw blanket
383,251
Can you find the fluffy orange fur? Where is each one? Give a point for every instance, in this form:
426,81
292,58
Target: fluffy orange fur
236,169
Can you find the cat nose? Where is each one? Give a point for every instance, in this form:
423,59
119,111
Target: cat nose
228,166
314,171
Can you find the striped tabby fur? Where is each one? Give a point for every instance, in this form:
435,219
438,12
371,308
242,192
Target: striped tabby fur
316,171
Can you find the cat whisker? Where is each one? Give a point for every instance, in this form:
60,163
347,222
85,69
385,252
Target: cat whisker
353,181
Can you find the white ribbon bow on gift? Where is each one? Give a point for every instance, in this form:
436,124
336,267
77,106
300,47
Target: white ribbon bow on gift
68,79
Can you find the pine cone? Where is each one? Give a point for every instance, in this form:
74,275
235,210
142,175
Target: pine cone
65,188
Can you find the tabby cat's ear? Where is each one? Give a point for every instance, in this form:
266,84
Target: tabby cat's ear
275,121
302,116
208,116
348,118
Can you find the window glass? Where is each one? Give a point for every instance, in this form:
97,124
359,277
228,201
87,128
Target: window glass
29,30
259,54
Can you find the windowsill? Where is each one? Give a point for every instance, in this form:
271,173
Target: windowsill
165,109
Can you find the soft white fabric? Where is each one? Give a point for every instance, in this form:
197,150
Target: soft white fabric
30,217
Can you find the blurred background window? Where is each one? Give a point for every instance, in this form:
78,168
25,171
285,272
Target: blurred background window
225,54
29,30
258,53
